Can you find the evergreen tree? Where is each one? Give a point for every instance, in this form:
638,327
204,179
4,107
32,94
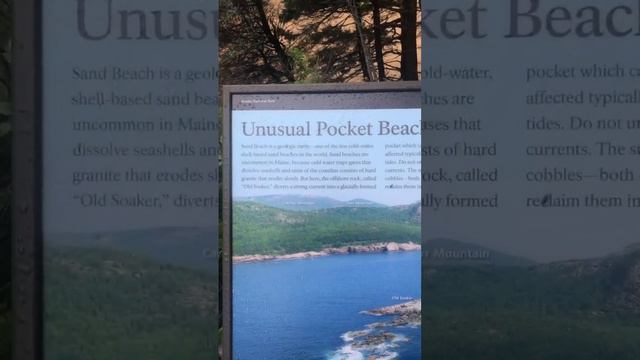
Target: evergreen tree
252,49
318,41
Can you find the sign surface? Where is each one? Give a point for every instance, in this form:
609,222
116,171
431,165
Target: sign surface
530,164
130,179
325,188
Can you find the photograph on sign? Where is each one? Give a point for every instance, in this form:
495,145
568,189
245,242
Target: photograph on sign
325,221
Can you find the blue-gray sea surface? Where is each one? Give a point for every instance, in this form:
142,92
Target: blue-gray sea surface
307,309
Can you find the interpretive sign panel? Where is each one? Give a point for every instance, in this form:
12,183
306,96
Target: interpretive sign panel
530,110
130,179
323,196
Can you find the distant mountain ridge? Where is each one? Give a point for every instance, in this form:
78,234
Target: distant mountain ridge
306,202
618,273
414,209
605,284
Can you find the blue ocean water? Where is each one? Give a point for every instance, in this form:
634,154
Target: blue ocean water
304,309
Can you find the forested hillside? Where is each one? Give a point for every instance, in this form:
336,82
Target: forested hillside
585,309
260,229
118,305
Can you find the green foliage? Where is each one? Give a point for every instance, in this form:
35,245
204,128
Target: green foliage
497,334
513,289
537,312
329,35
312,41
252,44
306,71
259,229
105,305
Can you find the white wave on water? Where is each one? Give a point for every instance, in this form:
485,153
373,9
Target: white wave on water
353,351
400,338
347,352
349,336
379,352
389,356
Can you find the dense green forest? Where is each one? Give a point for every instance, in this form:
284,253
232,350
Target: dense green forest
569,310
122,306
260,229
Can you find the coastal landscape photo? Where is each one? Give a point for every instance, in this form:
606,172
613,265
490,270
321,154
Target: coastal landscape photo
322,278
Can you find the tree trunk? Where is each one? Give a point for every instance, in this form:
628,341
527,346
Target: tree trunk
363,65
364,49
408,42
275,42
377,36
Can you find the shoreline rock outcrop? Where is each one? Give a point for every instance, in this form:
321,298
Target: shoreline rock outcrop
379,340
406,314
343,250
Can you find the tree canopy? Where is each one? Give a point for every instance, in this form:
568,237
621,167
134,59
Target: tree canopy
283,41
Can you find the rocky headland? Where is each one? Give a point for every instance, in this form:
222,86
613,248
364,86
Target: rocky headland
406,314
378,340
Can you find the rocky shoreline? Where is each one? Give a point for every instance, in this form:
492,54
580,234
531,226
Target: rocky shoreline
410,307
378,340
407,314
344,250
